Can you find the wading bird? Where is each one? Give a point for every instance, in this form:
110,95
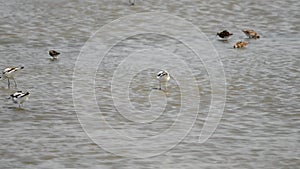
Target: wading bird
251,34
163,77
19,97
9,73
240,44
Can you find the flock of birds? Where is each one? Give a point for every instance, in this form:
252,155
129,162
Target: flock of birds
225,35
20,97
162,76
9,73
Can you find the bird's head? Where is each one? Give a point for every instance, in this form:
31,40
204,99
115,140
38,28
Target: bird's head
131,2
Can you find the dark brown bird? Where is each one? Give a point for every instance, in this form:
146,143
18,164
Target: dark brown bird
224,34
54,54
251,34
240,44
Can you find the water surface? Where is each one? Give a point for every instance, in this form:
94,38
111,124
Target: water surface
260,123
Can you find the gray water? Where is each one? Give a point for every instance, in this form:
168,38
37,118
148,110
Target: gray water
260,123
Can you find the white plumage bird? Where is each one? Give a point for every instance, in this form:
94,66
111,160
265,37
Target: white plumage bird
163,77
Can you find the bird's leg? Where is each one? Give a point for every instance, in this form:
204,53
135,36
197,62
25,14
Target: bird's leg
8,83
166,85
159,85
15,82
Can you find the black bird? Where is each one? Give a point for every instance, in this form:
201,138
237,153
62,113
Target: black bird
224,34
54,54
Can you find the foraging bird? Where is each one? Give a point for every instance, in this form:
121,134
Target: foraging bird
240,44
163,77
19,97
9,73
131,2
225,35
251,34
54,54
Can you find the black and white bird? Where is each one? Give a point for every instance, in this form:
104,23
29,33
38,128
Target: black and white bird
163,77
19,97
54,54
9,73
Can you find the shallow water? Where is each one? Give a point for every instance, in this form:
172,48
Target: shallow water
260,124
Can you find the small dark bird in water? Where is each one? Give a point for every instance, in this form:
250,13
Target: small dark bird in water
131,2
251,34
240,44
224,34
54,54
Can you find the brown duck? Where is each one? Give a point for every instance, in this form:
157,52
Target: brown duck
240,44
251,34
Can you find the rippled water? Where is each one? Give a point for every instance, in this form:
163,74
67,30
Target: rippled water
260,123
